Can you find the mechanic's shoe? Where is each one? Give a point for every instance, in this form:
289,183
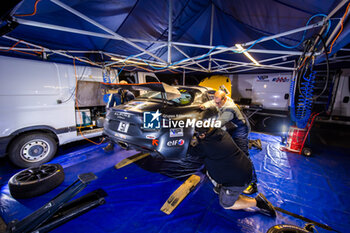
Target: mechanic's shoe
217,188
258,144
109,147
252,188
265,206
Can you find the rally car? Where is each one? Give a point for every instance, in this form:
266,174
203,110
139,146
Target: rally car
160,121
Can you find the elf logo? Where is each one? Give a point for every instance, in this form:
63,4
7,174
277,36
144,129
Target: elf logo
179,142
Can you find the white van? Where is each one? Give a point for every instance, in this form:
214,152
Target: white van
38,110
270,91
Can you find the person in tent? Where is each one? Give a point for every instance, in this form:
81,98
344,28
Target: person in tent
229,169
121,97
236,124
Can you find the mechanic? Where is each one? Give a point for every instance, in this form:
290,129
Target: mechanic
236,124
229,169
121,97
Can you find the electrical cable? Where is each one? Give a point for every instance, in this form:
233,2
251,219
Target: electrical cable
13,46
76,103
341,29
302,39
73,92
31,14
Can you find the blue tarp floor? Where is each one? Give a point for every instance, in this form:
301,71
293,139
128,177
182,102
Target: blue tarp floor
317,188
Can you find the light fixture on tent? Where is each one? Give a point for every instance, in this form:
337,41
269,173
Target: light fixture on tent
240,49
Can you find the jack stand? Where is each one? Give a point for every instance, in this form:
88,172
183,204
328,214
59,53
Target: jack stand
57,211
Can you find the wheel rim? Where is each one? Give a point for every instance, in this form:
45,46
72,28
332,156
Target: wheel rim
35,150
35,174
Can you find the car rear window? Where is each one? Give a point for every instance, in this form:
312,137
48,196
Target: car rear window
186,98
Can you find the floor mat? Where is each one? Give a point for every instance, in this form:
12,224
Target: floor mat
317,188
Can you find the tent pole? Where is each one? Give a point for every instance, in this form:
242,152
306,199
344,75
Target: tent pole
218,65
211,32
183,77
195,62
330,38
66,7
137,55
170,29
266,67
340,5
101,35
261,66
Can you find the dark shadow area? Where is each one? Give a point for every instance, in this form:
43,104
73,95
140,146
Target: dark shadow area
178,169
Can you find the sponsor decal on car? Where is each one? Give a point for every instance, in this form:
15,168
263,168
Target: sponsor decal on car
151,120
155,142
122,115
178,132
178,142
150,137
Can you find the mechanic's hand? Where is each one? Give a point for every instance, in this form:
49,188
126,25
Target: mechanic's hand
202,107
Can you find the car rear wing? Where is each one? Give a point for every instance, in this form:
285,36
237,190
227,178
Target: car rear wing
171,92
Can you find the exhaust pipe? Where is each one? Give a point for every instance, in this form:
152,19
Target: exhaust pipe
123,145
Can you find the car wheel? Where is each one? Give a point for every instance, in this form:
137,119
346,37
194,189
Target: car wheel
286,228
36,181
32,149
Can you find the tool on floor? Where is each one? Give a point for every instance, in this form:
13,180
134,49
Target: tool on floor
57,211
131,159
297,137
180,193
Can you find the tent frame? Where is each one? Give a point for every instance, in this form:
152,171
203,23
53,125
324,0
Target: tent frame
188,64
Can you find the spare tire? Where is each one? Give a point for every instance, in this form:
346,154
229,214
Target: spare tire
35,181
286,228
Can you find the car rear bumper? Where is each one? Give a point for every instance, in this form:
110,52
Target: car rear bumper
132,143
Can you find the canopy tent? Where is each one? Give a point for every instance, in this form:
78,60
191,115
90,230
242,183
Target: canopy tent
158,35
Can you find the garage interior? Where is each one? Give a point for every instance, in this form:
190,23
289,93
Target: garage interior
285,63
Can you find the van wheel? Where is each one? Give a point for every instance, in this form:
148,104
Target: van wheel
32,149
36,181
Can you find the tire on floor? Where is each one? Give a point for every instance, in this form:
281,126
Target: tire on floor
36,181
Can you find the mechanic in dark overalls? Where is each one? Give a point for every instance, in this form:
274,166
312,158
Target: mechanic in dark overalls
121,97
236,124
229,169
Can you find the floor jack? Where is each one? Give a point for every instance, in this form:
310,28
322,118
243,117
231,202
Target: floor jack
58,211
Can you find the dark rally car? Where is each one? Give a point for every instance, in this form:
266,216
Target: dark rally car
152,122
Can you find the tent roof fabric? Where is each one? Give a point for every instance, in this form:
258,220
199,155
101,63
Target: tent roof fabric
134,27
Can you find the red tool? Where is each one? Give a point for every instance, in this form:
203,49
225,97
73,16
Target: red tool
297,137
